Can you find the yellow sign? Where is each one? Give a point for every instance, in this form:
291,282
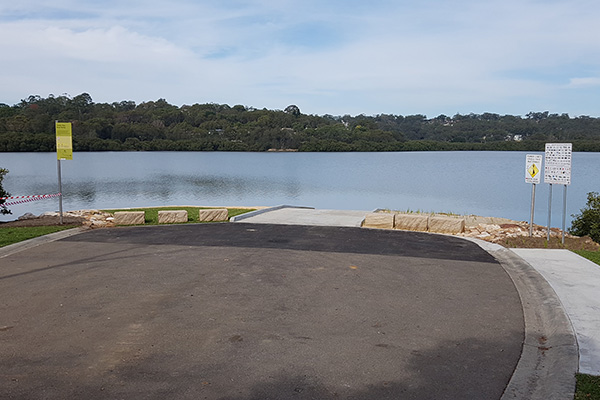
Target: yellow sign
533,164
533,170
64,141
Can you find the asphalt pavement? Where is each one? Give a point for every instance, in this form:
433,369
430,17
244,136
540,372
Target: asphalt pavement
256,311
296,303
573,279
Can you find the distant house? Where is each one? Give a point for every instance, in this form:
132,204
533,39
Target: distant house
516,138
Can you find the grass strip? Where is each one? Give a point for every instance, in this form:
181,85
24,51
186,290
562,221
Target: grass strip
11,235
18,234
588,386
151,213
593,256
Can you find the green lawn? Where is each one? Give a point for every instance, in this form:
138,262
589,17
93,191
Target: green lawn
588,386
152,212
18,234
590,255
15,235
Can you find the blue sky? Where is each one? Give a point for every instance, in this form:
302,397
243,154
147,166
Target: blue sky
334,57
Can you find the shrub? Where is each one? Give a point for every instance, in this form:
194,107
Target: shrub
3,193
588,221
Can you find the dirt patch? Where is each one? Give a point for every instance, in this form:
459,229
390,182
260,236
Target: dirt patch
515,234
88,218
46,220
571,243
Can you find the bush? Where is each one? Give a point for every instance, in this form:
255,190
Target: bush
588,221
3,193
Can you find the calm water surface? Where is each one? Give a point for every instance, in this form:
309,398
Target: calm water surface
483,183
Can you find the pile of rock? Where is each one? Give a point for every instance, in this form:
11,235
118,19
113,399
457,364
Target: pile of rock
91,218
491,229
497,233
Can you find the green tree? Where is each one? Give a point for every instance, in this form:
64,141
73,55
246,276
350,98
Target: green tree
3,193
588,221
292,109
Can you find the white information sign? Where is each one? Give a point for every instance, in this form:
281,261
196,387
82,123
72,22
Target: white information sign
557,163
533,168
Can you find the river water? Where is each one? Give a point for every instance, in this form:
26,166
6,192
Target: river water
482,183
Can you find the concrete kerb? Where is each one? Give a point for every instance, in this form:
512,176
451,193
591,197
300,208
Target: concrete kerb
251,214
36,241
550,356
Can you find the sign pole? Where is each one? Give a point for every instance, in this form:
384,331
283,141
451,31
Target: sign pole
533,166
532,209
558,170
564,213
549,212
64,151
60,202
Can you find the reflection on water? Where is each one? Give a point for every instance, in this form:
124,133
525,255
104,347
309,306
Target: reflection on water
484,183
178,188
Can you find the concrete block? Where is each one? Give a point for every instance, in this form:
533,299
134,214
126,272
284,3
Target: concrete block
129,218
379,220
411,222
444,224
172,216
213,214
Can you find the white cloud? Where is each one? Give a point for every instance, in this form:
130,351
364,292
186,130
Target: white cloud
584,82
334,57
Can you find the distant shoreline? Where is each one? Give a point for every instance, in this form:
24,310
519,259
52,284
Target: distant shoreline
45,143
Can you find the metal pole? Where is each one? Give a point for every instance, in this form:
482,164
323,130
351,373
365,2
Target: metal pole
532,208
564,213
549,211
60,206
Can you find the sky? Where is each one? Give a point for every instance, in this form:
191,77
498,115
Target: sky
334,57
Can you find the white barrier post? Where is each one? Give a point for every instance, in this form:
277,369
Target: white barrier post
60,204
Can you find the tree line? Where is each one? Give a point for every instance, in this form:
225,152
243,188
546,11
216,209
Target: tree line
160,126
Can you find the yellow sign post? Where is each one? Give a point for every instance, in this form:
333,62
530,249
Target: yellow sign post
533,165
64,141
64,151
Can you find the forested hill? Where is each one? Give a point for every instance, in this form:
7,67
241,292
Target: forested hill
158,125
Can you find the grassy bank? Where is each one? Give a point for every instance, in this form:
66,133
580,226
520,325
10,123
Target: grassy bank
151,213
18,234
593,256
588,386
15,234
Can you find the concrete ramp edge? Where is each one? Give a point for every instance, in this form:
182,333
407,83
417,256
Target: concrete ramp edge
30,243
550,356
251,214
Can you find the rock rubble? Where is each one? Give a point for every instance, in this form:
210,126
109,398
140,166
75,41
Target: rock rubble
497,233
91,218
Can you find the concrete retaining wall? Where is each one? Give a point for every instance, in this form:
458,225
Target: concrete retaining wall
415,222
214,214
412,222
172,216
129,218
443,224
379,220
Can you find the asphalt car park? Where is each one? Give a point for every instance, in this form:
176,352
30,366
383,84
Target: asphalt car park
256,311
